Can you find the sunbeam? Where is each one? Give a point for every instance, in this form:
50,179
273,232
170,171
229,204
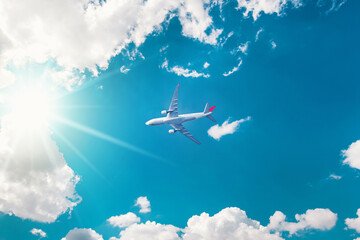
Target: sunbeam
106,137
79,154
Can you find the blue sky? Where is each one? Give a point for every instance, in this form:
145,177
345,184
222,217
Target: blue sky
284,76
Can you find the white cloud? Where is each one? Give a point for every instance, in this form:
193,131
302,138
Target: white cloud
226,128
144,204
124,220
38,232
84,34
354,223
335,177
124,70
180,71
101,87
352,155
319,219
266,6
149,230
229,224
206,65
273,45
241,48
335,4
195,20
223,40
225,74
83,234
258,34
36,182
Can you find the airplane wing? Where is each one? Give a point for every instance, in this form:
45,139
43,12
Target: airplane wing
173,109
182,129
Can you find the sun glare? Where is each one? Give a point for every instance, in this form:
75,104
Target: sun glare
32,106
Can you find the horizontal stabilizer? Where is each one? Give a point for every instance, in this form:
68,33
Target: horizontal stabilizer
211,118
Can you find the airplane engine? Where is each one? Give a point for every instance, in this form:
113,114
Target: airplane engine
171,131
164,112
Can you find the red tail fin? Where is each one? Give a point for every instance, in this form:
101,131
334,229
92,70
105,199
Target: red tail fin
212,108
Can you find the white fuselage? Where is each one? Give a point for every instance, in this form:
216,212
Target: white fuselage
177,120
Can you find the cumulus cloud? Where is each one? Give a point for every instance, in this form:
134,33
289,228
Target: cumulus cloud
352,155
38,232
144,204
266,6
84,34
319,219
230,223
354,223
196,21
206,65
180,71
226,128
82,234
124,220
149,230
36,182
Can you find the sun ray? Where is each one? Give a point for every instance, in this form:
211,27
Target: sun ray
79,154
106,137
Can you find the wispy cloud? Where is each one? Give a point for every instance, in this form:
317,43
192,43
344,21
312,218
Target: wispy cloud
124,70
241,48
258,34
225,74
267,7
226,128
180,71
334,177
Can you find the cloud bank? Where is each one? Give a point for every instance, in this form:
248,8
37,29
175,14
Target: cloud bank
84,35
229,224
36,182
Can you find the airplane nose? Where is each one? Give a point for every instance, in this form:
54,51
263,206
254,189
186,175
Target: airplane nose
148,122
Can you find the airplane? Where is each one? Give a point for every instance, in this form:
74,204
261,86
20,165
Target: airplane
175,120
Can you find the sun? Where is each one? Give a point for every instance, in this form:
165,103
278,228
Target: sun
32,106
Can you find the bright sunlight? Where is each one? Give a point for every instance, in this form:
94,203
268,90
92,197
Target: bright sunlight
32,106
